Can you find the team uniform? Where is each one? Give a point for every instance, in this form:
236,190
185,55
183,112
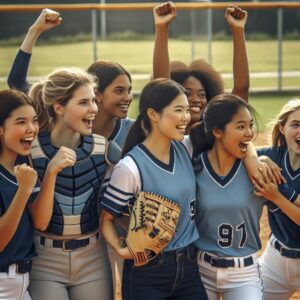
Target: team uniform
121,130
15,259
72,254
174,272
281,258
17,79
228,214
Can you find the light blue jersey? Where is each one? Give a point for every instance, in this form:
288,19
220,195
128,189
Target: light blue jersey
120,132
141,171
228,212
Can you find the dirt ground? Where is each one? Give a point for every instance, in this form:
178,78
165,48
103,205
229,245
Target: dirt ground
265,231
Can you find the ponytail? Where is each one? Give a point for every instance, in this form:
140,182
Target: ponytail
135,136
157,94
201,139
36,93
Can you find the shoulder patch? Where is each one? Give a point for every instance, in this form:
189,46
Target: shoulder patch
113,153
36,150
100,144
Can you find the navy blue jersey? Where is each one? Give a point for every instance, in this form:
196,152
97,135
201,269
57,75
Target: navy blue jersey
283,228
17,78
141,171
21,246
228,212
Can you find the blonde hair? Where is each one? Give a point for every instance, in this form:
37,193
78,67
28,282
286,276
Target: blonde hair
59,86
277,138
35,93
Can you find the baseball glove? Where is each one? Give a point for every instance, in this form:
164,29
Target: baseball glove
152,225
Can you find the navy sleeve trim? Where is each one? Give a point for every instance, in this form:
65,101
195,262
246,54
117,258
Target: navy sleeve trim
17,78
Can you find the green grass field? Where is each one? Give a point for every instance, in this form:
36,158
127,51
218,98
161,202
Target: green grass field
136,56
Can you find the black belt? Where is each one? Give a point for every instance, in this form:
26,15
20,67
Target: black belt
21,267
227,263
286,252
68,245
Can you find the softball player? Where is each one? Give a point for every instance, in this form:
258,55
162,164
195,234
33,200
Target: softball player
155,162
20,207
281,258
228,212
72,259
200,79
114,87
113,95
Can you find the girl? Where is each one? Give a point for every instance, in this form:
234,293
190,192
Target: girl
72,259
228,211
113,94
153,155
200,79
18,212
281,258
114,97
113,91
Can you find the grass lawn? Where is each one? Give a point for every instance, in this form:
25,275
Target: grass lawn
136,56
267,106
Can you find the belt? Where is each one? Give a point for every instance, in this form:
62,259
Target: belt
21,267
228,263
68,245
285,251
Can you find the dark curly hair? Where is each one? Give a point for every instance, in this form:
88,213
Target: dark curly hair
203,71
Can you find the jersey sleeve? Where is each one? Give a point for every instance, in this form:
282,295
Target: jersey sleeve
187,143
1,207
288,192
123,187
17,78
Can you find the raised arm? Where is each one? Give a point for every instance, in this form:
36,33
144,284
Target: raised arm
163,16
236,19
17,78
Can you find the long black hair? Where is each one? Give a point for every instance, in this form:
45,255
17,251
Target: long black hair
217,114
157,94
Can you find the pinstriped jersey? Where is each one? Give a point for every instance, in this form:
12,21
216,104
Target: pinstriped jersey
283,228
228,212
120,132
141,171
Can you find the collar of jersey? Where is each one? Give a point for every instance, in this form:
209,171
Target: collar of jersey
293,174
167,167
116,130
8,175
83,151
221,180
